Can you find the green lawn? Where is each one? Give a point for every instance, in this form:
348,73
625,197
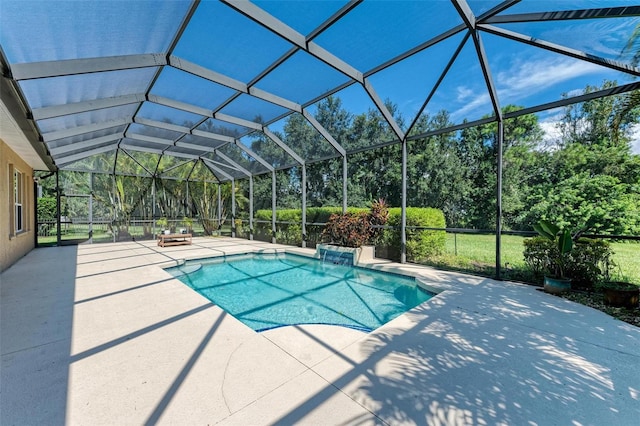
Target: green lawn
477,253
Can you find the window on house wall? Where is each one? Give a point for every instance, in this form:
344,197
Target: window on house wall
18,193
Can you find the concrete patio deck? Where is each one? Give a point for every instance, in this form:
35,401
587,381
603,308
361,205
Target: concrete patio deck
100,334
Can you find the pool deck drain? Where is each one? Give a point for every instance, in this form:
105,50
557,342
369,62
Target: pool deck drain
100,334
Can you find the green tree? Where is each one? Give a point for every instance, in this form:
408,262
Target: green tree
590,177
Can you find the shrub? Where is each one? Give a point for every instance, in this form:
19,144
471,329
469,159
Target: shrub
587,263
379,216
47,208
355,228
349,229
421,243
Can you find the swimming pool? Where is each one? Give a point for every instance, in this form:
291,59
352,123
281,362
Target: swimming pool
266,291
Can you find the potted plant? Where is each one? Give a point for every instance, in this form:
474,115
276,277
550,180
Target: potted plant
163,223
556,282
619,291
187,222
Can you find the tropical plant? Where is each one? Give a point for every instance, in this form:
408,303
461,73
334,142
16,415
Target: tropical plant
356,228
378,217
162,223
348,230
563,244
187,222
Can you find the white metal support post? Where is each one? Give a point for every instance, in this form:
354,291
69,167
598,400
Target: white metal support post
251,207
344,183
304,205
499,200
90,208
403,210
219,212
233,208
273,206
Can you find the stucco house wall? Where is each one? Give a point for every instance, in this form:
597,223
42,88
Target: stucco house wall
14,245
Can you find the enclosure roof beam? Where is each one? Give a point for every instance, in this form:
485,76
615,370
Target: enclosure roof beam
233,163
126,145
368,87
231,83
184,106
250,152
496,9
283,145
465,13
325,134
137,162
573,53
48,69
263,18
61,161
220,163
150,139
274,99
161,125
182,155
575,99
238,121
564,15
195,147
486,72
417,49
450,129
207,74
85,144
78,107
213,136
215,169
80,130
172,45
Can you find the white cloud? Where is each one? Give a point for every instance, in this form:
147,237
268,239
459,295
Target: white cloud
470,105
464,93
551,132
635,139
525,79
522,80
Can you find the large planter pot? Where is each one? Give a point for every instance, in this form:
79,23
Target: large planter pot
621,296
557,285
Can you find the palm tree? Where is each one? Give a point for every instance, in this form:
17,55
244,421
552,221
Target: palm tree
633,46
631,100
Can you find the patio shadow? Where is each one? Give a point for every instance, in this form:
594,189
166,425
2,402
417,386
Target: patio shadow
36,318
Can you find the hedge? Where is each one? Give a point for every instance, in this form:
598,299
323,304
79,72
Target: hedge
420,243
314,214
292,234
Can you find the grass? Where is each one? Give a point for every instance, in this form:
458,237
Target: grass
478,252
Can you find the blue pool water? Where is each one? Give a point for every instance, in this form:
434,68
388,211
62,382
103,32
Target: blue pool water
268,291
